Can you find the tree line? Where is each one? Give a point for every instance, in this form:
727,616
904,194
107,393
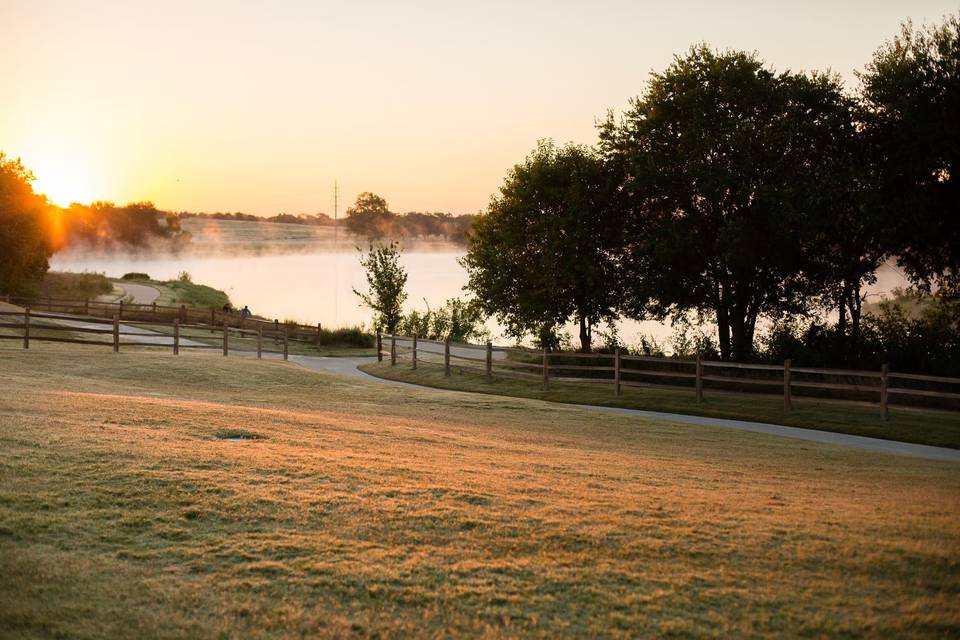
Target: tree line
731,193
370,216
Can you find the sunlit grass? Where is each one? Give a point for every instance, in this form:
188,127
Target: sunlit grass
127,509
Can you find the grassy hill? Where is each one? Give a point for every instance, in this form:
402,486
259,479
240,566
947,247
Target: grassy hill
226,497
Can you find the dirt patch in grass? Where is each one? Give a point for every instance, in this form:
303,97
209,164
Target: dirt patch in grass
237,435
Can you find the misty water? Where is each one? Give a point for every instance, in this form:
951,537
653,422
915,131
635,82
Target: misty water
308,274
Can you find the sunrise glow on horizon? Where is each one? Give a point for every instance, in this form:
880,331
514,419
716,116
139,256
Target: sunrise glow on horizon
258,107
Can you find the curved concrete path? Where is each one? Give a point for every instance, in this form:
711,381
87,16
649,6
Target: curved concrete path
139,293
348,367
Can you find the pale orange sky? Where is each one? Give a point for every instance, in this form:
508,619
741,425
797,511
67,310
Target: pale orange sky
259,106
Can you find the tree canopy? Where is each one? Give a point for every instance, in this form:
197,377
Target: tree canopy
911,89
719,159
545,251
27,229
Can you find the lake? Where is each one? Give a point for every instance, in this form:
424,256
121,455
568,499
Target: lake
308,274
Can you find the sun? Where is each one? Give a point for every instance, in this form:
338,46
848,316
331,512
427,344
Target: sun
63,181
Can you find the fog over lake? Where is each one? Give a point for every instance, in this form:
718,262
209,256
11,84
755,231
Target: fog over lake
308,274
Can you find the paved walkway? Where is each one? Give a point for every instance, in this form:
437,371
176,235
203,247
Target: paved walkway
348,367
139,293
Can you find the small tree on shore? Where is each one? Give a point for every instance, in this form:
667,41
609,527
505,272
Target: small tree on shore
386,279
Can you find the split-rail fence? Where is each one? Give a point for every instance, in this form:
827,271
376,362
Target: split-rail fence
700,376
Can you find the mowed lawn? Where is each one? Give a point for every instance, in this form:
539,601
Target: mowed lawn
130,509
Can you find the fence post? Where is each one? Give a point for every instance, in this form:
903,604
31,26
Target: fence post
226,339
446,357
154,305
318,334
286,352
176,337
276,331
489,361
546,368
86,306
699,382
121,309
116,333
616,372
884,384
787,400
26,328
259,343
50,304
393,350
414,351
183,313
379,345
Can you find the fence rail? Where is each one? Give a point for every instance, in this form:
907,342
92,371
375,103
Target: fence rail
647,371
132,312
33,326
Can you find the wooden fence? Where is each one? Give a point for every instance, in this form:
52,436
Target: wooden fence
166,314
41,326
620,370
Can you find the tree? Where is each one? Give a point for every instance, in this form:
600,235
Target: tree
846,237
386,278
716,161
912,91
27,229
369,216
545,251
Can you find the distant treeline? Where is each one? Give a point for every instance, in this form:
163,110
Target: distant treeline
104,225
317,220
369,217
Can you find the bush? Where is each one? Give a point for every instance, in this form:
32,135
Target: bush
921,339
62,284
135,275
461,321
347,337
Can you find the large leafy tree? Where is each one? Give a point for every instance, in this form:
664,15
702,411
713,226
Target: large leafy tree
27,229
716,159
912,91
386,279
545,251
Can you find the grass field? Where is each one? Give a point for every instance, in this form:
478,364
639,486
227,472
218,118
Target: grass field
147,496
939,428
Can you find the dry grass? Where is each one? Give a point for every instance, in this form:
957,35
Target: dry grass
354,509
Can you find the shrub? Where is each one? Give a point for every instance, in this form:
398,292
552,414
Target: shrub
135,275
348,337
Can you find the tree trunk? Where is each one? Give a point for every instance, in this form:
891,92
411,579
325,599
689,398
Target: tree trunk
855,304
723,326
842,324
740,334
586,337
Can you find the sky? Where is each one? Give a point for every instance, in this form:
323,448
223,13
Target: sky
233,105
